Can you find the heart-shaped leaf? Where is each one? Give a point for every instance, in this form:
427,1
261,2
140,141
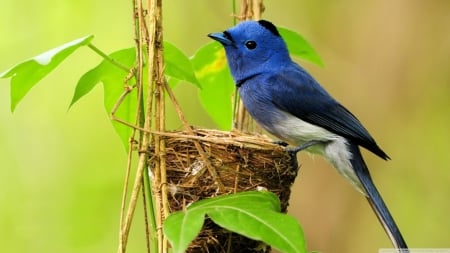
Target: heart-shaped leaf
217,85
253,214
299,47
27,73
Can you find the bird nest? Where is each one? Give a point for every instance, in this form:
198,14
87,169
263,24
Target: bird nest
242,162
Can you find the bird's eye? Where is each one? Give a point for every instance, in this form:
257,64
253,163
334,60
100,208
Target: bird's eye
250,44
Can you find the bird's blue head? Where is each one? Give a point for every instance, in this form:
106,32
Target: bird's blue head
253,47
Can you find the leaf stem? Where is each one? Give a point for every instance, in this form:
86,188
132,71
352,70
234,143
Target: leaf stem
108,58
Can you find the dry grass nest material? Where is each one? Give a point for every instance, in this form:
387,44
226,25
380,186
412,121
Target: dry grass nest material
242,161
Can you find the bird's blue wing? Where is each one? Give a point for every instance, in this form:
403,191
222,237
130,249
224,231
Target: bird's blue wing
296,92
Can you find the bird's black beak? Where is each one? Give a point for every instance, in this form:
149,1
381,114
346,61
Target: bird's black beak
223,38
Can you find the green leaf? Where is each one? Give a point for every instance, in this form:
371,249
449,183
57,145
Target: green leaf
104,70
254,199
181,228
178,64
212,72
178,67
26,74
278,230
299,47
113,79
253,214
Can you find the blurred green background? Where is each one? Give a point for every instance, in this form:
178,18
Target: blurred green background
61,172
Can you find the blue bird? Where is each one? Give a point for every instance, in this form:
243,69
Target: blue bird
290,104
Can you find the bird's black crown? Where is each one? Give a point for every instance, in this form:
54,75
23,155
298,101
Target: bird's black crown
269,26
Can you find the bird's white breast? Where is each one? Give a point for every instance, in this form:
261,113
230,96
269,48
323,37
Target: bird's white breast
296,131
335,148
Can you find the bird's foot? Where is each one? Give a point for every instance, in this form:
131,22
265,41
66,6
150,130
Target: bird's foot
295,150
281,143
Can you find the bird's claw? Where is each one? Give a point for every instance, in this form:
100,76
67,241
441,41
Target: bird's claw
295,150
281,143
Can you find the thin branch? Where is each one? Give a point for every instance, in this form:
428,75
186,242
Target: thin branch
142,163
189,129
108,58
160,80
149,210
146,219
131,145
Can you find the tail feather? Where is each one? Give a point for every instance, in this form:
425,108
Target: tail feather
376,202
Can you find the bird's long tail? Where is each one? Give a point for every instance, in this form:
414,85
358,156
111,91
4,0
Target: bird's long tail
376,202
